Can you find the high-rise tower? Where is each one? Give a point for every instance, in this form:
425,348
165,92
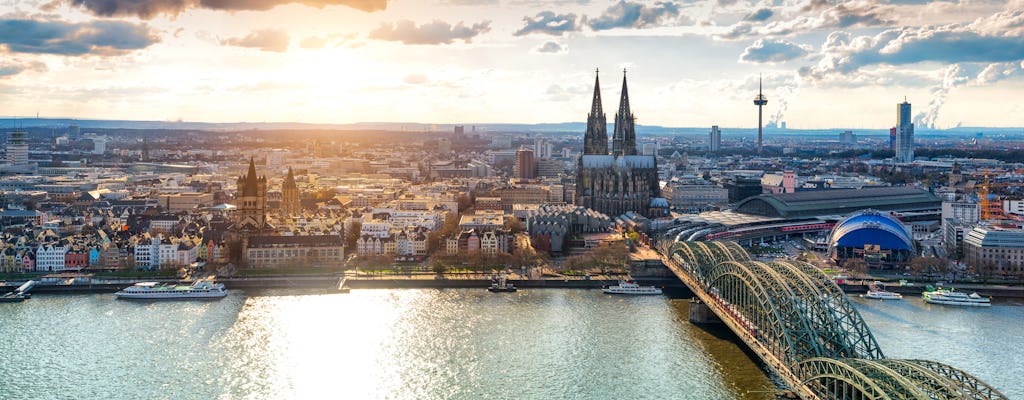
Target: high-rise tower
714,139
17,148
595,141
525,167
759,101
624,139
904,133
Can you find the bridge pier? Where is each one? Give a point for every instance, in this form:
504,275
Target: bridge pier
700,313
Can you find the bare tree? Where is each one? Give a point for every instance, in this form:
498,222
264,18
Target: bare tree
856,266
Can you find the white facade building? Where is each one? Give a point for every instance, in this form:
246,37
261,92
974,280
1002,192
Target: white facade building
50,258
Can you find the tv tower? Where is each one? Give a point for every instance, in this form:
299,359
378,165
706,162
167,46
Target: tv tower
759,101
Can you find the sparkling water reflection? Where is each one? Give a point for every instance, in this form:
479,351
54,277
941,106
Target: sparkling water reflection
436,344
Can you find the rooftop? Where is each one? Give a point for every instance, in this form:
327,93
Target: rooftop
838,202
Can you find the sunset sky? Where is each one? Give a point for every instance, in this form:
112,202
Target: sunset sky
695,63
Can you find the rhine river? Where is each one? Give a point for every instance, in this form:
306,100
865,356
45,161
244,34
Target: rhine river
438,344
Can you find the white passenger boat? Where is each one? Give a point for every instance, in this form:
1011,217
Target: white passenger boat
882,295
200,290
875,291
630,287
954,298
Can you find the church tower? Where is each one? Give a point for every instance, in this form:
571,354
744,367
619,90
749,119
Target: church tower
290,203
623,181
251,200
595,141
624,139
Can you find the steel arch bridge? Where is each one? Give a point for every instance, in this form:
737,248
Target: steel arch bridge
806,324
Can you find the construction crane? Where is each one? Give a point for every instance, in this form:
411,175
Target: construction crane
988,208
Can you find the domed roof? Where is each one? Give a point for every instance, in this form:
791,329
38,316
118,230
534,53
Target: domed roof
871,227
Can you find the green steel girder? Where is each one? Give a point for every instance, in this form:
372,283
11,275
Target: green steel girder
737,251
894,384
735,283
933,383
689,261
844,313
840,327
895,379
831,378
827,332
967,383
808,322
791,306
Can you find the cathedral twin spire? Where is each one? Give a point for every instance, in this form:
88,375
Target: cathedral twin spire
624,139
596,139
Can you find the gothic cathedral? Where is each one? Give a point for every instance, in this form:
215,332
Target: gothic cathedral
622,181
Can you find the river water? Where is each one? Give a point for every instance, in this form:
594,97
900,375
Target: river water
437,344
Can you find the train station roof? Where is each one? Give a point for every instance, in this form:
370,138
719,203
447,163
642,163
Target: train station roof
839,202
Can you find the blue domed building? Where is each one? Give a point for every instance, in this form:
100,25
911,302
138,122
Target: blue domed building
875,236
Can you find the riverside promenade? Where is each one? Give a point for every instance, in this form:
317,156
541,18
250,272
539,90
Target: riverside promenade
418,280
352,280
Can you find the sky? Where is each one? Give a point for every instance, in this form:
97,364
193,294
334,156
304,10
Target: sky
825,64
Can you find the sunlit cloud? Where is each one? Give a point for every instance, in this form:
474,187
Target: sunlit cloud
773,51
101,38
434,32
550,23
10,68
626,14
551,47
264,39
147,9
315,57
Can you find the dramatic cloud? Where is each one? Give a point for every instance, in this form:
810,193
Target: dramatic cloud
995,39
151,8
985,51
104,38
635,15
265,40
434,32
551,48
773,51
13,67
759,15
818,14
549,23
999,71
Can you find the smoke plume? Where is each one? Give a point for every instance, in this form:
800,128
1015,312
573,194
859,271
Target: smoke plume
783,94
953,77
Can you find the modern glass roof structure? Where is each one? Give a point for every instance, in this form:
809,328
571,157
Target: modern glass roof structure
839,202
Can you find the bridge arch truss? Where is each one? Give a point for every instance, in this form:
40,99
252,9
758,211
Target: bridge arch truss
805,320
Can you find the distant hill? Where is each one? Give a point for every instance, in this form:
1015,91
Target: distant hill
490,128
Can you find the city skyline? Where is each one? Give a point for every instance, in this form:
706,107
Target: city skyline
825,65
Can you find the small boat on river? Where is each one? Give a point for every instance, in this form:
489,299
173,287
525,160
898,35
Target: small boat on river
632,288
